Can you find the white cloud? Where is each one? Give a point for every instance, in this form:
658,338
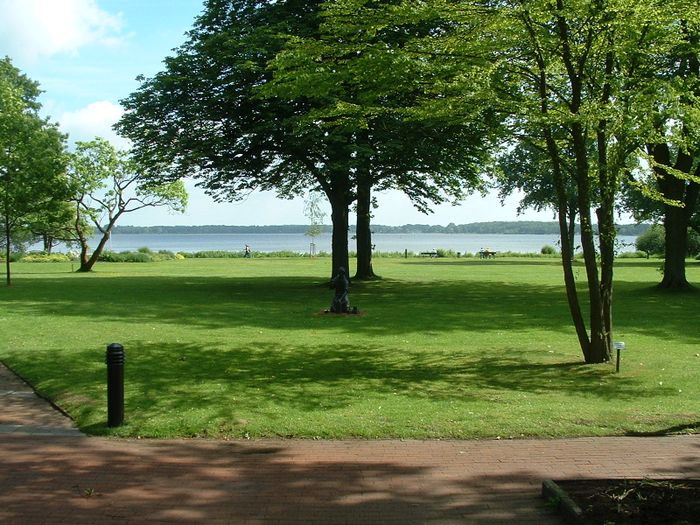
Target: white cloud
94,120
30,29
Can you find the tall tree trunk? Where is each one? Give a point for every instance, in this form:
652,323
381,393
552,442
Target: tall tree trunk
338,193
571,214
566,209
676,219
607,182
86,263
676,237
48,243
599,350
8,249
566,233
364,232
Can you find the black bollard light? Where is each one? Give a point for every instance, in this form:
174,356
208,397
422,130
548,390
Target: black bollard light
115,385
618,345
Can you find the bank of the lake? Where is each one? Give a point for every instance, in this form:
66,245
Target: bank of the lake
300,243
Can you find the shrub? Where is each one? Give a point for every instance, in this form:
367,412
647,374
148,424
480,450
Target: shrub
213,254
446,253
45,257
633,255
548,250
693,243
652,241
138,256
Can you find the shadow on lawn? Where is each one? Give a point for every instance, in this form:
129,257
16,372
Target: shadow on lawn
390,307
163,380
99,481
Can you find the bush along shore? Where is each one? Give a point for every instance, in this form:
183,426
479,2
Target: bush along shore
145,255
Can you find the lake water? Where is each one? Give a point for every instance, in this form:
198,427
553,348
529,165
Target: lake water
386,242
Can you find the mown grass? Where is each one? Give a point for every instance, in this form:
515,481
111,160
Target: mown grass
444,348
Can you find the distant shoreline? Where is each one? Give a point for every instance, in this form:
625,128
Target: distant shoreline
496,227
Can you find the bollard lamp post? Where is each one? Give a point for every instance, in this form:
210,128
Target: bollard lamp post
618,345
115,385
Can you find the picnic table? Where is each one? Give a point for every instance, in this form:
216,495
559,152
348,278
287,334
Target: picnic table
433,253
487,254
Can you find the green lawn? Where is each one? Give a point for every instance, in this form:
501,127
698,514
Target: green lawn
444,348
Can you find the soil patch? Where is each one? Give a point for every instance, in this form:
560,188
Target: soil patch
638,502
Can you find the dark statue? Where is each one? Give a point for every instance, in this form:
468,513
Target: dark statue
341,303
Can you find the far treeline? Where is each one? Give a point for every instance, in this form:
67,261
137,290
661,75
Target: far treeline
495,227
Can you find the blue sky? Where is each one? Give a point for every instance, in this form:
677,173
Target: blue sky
86,55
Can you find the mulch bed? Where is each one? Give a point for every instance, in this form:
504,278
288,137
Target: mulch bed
638,502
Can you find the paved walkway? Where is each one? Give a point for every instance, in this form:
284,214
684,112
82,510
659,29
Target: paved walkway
49,473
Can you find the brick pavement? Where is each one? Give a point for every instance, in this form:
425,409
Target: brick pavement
77,479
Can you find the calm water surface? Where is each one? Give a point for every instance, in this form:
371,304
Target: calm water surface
387,242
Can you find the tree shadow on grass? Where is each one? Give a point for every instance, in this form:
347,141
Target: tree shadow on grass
104,481
473,261
165,381
392,307
657,313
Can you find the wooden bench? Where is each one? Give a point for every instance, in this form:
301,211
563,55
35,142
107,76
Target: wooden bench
429,254
487,254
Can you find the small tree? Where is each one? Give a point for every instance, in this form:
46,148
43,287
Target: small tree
315,214
107,184
32,160
651,241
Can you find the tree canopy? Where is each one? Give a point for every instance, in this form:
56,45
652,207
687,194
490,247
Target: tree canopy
32,159
107,184
238,109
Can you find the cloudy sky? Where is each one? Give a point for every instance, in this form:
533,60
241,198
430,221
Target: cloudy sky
86,55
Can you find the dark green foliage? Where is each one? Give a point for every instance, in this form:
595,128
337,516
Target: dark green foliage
32,159
143,255
653,241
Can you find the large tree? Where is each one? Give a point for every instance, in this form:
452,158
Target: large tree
673,151
361,86
32,159
581,70
211,115
106,184
571,79
203,116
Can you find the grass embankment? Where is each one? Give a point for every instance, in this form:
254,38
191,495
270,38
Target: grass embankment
444,348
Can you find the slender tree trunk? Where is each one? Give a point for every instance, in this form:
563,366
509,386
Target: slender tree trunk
86,263
566,232
565,210
48,243
571,214
598,351
8,249
606,239
364,231
607,182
